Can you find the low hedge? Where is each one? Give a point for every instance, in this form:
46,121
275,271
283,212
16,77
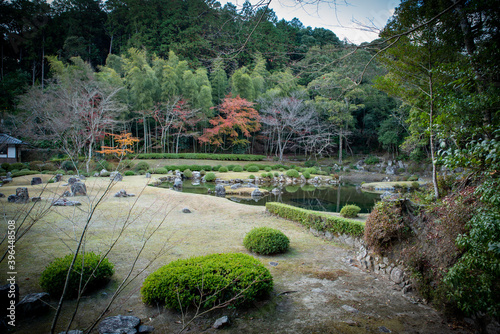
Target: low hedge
96,271
202,156
318,221
24,172
207,281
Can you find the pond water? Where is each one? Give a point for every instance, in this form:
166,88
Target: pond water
323,198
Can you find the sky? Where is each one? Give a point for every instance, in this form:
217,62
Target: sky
355,20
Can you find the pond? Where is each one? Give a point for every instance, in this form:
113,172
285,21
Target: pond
323,198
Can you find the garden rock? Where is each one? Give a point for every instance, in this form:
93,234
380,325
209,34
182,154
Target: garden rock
67,193
178,183
390,170
196,175
21,196
65,202
123,193
119,324
257,193
82,177
33,304
349,309
78,189
36,180
186,210
143,329
148,175
72,180
221,322
58,178
36,199
220,190
236,186
397,275
116,176
2,195
103,172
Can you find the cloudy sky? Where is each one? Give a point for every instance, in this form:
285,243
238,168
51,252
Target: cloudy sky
356,20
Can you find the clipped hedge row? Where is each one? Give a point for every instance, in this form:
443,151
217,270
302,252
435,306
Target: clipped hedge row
203,156
317,221
207,281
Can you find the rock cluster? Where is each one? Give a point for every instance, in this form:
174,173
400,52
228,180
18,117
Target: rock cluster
21,196
123,324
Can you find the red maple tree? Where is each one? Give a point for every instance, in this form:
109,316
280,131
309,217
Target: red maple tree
236,121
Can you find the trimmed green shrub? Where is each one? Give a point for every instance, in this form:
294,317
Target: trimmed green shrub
187,173
35,165
129,173
141,165
107,165
210,177
159,171
24,172
94,272
223,169
16,165
276,174
238,169
306,174
350,211
207,281
5,166
216,167
60,171
265,241
253,169
268,169
251,176
292,173
319,221
263,175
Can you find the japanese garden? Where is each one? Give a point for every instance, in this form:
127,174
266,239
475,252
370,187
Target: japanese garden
187,166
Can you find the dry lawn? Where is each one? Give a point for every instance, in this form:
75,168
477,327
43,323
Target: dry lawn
312,281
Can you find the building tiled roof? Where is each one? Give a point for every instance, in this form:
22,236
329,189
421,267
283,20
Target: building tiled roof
6,139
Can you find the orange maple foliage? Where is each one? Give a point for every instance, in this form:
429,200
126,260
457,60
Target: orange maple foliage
125,142
237,118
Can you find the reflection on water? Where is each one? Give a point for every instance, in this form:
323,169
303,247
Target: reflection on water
324,198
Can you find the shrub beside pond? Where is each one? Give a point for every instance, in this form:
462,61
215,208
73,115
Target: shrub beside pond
266,241
318,221
350,211
210,176
208,281
95,271
292,173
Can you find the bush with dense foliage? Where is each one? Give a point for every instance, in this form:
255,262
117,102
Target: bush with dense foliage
292,173
94,272
372,160
223,169
141,165
24,172
238,169
252,168
384,226
208,281
318,221
266,241
210,177
350,211
307,175
187,173
129,173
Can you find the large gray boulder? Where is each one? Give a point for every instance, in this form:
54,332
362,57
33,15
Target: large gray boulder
21,196
58,178
257,193
178,183
220,190
33,304
120,324
72,180
65,202
78,189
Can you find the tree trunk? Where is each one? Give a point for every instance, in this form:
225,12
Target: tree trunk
431,135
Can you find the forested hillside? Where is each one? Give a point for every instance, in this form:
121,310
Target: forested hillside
168,65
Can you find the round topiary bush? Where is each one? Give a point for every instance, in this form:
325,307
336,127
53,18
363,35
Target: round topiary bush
141,165
292,173
223,169
96,273
350,211
253,169
210,176
207,281
251,176
238,169
268,169
266,240
307,175
129,173
187,173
